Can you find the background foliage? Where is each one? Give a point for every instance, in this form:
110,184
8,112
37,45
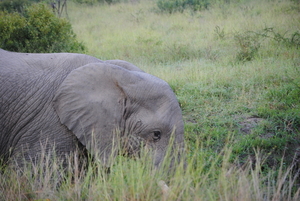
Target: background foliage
15,5
93,2
171,6
37,29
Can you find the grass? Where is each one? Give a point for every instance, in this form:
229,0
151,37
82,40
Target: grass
213,179
235,71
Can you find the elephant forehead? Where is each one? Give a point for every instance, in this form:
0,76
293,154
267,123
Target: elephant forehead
145,78
151,93
161,118
163,104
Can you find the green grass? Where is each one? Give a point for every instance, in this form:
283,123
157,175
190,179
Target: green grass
228,65
214,178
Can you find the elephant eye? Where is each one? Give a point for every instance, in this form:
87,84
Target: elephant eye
156,135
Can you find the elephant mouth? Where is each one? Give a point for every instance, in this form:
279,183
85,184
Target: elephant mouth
131,147
131,153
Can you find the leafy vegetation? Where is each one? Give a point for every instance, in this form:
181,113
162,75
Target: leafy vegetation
235,70
94,2
250,42
37,29
171,6
15,5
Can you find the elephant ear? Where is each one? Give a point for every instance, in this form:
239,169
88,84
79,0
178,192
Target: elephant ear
124,64
90,102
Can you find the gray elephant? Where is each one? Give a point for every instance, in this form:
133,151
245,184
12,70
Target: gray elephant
65,102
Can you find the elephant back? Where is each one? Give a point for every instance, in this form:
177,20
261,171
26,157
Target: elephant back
28,83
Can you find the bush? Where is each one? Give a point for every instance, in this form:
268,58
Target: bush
93,2
37,30
15,5
172,6
248,44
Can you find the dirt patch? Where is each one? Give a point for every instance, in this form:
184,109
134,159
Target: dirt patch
249,123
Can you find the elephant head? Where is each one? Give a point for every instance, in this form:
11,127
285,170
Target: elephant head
113,102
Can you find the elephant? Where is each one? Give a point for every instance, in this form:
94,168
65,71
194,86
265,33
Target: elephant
68,101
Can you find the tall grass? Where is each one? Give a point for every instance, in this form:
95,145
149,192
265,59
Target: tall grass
135,32
213,179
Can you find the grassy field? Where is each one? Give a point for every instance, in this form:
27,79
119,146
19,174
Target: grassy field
235,69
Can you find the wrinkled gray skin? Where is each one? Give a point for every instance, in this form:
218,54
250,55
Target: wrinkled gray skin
67,101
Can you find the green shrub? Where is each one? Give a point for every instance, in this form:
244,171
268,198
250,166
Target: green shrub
248,44
291,41
37,30
14,6
197,4
171,6
93,2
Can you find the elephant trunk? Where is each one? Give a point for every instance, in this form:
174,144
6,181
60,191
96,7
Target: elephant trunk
170,157
178,156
